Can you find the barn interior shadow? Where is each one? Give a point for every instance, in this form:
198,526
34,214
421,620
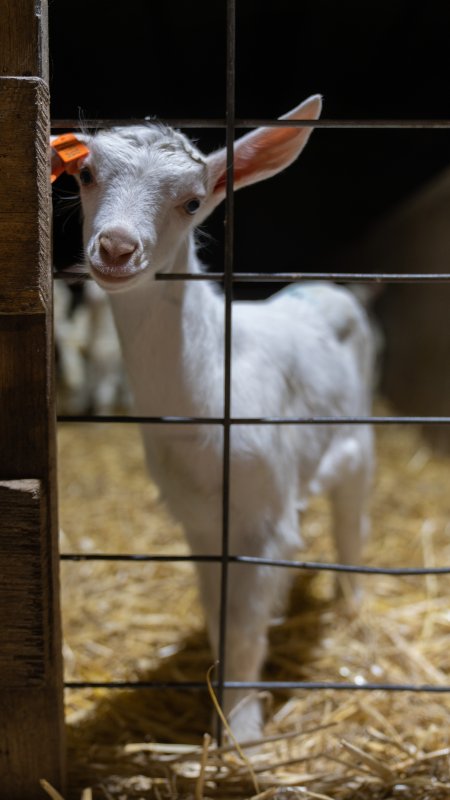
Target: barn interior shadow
182,716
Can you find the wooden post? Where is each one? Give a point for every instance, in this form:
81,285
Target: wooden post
31,688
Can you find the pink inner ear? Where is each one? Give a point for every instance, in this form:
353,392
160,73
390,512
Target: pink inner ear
263,151
221,183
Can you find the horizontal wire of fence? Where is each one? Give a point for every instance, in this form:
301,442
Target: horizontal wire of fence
243,123
282,277
358,685
316,566
144,420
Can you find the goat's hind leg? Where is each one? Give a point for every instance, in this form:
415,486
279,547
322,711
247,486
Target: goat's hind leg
346,474
349,499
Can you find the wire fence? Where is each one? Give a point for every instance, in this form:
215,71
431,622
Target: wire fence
227,421
207,122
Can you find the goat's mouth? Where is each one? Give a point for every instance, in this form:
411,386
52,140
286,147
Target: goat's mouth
113,278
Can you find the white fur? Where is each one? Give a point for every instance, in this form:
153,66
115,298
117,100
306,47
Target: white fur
305,352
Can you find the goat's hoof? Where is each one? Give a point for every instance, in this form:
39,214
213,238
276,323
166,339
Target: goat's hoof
349,594
246,722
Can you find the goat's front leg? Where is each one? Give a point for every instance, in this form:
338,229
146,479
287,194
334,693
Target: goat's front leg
250,599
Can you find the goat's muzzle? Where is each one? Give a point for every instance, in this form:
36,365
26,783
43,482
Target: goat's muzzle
115,255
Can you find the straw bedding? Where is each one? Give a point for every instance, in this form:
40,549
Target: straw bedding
144,621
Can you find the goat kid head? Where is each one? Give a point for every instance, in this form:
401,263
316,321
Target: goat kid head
144,188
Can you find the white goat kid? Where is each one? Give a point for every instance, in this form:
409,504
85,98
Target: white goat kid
305,352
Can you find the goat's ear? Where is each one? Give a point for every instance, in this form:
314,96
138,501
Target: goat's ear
265,151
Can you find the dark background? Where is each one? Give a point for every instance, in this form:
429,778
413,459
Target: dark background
383,59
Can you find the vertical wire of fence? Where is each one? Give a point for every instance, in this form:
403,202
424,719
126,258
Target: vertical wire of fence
228,288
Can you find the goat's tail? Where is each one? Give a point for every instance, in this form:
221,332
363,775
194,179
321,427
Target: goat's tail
367,293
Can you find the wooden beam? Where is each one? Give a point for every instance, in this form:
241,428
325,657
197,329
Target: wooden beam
24,38
31,688
29,737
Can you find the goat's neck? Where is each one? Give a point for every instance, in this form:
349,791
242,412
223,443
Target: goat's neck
171,334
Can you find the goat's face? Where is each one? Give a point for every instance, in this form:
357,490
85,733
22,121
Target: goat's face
142,190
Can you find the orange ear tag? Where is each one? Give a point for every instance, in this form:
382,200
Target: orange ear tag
69,150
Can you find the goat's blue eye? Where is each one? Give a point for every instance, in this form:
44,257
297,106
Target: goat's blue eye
192,205
86,176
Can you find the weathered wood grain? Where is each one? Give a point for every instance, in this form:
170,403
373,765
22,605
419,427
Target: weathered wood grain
23,601
24,398
23,38
24,211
